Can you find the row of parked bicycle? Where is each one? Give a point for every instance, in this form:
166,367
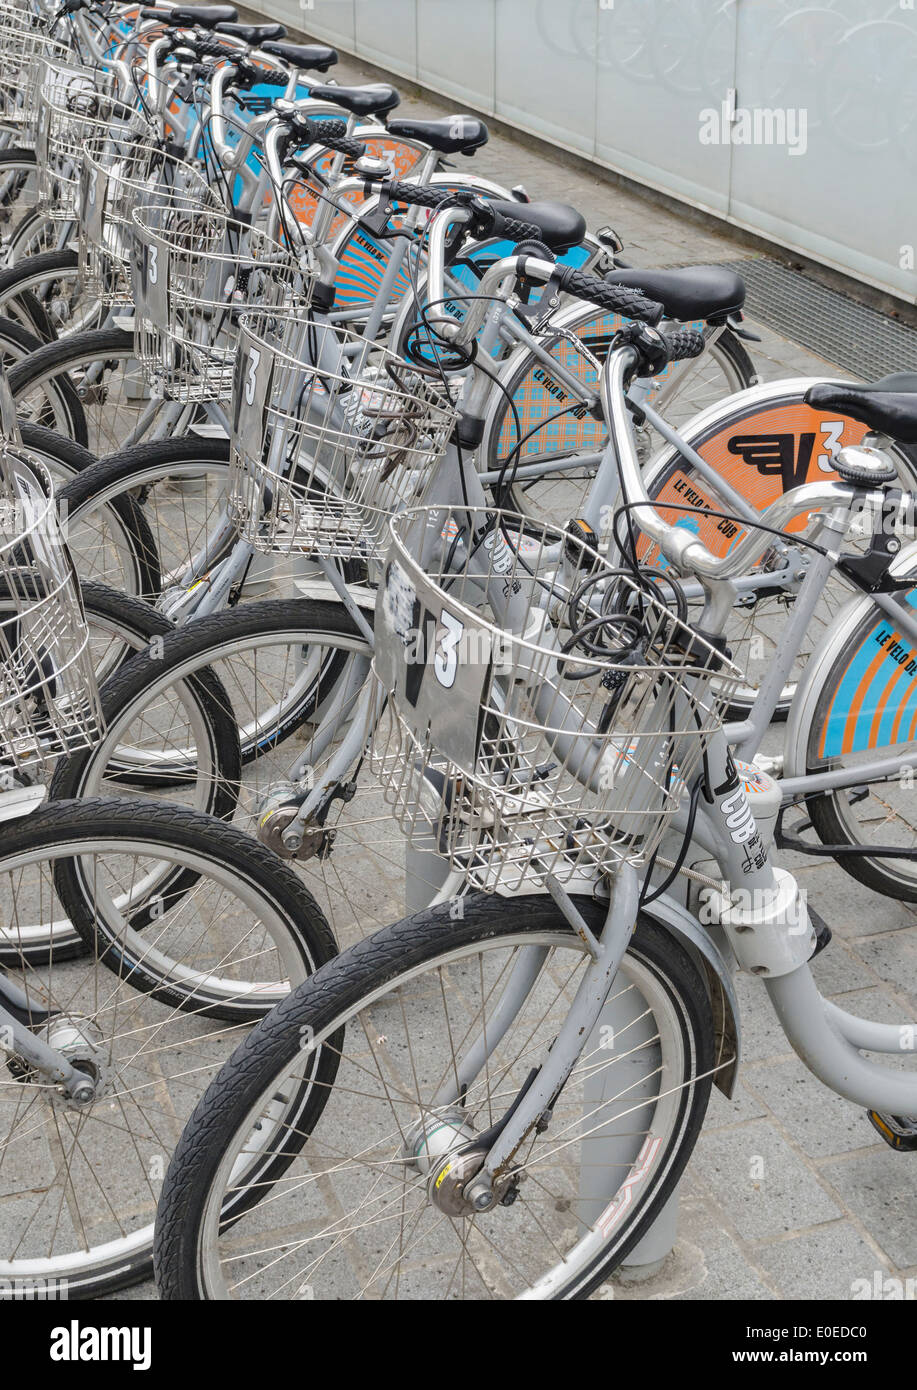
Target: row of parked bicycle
377,541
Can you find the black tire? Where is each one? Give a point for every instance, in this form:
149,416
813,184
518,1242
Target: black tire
20,289
66,460
120,482
192,829
137,625
834,817
134,473
236,858
197,645
35,233
214,711
17,166
17,342
322,1003
48,371
64,457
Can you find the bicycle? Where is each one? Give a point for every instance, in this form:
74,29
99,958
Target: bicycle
518,1087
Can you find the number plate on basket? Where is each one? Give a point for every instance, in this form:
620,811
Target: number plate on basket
251,389
150,282
91,201
436,666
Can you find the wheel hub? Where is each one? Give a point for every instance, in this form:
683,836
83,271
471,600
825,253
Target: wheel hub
80,1042
443,1148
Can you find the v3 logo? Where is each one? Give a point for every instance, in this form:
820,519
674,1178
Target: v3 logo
789,455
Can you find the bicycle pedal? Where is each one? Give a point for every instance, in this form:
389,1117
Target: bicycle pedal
898,1132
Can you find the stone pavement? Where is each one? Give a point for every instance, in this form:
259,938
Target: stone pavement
788,1195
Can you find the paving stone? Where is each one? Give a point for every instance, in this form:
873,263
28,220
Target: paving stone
762,1035
853,910
894,959
763,1187
880,1187
819,1122
744,1105
830,1260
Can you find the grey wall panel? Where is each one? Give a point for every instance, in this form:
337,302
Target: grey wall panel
661,64
456,47
851,84
331,20
387,34
546,74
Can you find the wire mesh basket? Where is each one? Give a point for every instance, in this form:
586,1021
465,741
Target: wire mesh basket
331,435
557,736
118,175
75,107
48,696
193,270
24,44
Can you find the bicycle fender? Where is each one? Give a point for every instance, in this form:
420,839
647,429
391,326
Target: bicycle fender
21,801
726,1017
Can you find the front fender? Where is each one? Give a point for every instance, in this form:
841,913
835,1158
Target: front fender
727,1020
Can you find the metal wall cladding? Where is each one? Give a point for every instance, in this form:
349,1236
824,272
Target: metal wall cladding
798,121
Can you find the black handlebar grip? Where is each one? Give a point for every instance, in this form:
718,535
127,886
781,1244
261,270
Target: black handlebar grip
209,46
270,78
490,223
329,130
515,231
618,299
413,193
332,134
682,343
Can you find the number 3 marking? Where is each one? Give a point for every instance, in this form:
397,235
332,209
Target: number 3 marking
254,357
833,429
445,660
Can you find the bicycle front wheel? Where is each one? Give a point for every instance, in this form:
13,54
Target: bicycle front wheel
79,1185
293,677
98,372
361,1203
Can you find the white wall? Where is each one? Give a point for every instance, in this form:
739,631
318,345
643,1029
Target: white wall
625,82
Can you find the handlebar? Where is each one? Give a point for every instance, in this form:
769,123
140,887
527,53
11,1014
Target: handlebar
481,220
678,545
